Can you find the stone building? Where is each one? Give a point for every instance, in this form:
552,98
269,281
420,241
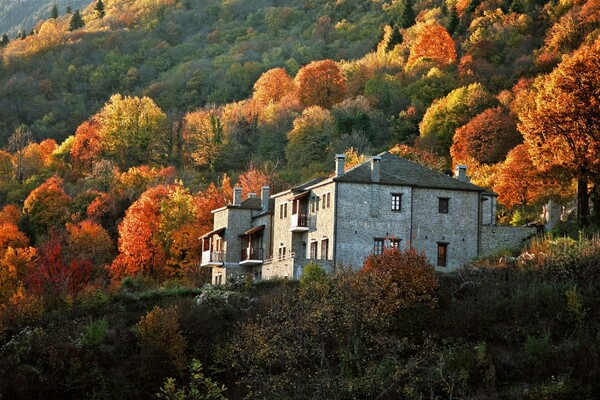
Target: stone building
387,201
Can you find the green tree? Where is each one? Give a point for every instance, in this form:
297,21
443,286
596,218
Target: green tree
408,15
99,8
201,387
4,41
54,12
134,131
447,114
453,20
76,21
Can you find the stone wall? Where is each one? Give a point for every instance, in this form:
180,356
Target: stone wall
494,238
458,228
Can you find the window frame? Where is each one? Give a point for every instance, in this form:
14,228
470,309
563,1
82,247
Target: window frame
396,199
378,246
444,205
442,254
324,249
314,248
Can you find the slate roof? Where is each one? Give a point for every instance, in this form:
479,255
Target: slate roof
396,170
252,203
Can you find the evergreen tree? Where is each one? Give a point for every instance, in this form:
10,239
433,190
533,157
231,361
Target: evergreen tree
395,38
408,15
76,21
99,9
453,20
4,41
68,10
54,12
22,34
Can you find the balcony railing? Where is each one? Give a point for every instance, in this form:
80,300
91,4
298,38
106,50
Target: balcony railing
211,257
282,257
299,222
251,256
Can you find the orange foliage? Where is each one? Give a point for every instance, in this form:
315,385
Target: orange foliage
272,86
89,241
209,200
139,246
48,205
320,83
253,180
137,179
11,236
14,266
10,213
518,181
420,156
433,43
399,279
87,145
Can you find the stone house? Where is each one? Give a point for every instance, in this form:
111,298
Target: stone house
386,201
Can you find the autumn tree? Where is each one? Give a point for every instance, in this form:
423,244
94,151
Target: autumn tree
210,199
518,181
433,43
17,143
320,83
400,279
447,114
254,179
561,121
487,138
10,213
134,131
87,146
272,86
89,241
11,236
47,206
204,137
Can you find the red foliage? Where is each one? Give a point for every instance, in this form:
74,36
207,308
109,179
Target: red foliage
253,180
487,138
53,276
210,199
399,279
10,213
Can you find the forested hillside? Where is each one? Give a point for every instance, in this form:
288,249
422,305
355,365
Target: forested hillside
125,122
22,15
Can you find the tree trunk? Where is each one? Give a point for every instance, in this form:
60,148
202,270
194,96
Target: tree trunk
583,202
595,199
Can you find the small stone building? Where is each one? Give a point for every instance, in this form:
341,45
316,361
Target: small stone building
387,201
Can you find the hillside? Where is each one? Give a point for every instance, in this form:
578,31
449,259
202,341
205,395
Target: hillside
23,15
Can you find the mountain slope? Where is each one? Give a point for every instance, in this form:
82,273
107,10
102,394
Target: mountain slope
23,15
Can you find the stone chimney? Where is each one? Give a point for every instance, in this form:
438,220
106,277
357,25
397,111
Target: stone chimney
461,173
339,164
264,198
375,168
237,196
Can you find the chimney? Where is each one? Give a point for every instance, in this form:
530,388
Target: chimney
264,198
339,164
461,173
375,168
237,196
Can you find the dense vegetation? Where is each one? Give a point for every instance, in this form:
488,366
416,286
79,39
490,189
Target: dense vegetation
527,329
124,123
18,17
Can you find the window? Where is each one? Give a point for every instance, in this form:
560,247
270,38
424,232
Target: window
396,201
281,211
443,205
285,210
328,195
378,244
395,243
318,200
312,205
282,252
313,250
295,207
442,254
325,249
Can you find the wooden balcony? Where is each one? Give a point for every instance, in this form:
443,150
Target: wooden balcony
251,256
212,258
299,223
